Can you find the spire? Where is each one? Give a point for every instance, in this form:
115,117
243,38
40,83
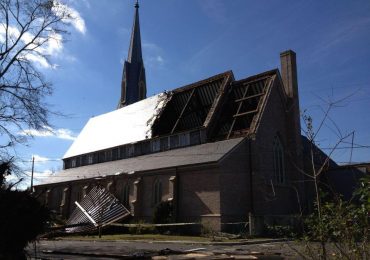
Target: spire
134,53
133,85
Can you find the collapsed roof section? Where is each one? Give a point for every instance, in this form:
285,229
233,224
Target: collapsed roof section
224,107
242,110
192,106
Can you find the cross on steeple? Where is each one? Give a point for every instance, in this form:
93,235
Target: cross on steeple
133,85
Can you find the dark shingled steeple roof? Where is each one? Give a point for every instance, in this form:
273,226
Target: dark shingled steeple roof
134,53
133,85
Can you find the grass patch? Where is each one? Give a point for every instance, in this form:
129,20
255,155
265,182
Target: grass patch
152,237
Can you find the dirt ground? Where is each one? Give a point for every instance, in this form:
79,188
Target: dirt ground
68,249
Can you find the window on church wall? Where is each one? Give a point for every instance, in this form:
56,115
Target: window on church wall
83,160
115,154
141,90
174,141
67,164
90,159
137,149
126,195
57,198
101,156
122,152
164,143
96,157
60,196
155,145
184,139
146,147
108,155
157,192
130,150
77,161
73,162
194,137
78,194
278,157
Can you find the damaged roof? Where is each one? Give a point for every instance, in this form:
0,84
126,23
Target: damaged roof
192,155
224,107
243,107
190,106
122,126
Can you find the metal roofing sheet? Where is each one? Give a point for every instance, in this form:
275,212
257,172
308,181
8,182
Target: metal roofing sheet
122,126
98,208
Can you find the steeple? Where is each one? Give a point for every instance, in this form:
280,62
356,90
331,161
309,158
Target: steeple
133,85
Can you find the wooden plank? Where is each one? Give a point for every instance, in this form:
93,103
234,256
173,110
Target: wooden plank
249,97
245,113
183,110
237,111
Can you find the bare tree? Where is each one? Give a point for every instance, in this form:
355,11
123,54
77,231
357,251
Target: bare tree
28,30
337,225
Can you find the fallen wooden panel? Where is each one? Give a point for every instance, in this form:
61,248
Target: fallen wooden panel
98,208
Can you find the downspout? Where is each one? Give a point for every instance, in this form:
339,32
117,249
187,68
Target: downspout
250,176
177,194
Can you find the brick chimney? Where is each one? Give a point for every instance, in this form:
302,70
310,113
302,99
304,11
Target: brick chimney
289,77
290,82
289,73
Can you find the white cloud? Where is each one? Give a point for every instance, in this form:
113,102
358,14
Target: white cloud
153,55
76,20
155,60
41,175
50,46
151,47
64,133
40,159
61,133
160,59
214,9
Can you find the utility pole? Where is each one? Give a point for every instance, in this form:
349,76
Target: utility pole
33,164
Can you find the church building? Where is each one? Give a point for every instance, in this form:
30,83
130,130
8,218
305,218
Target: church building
218,149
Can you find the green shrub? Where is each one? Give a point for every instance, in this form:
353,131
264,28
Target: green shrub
280,231
163,213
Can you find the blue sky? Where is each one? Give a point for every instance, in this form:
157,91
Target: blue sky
186,41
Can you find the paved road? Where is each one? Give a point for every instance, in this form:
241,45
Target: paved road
61,249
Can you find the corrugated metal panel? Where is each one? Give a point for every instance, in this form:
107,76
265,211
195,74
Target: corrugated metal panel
98,208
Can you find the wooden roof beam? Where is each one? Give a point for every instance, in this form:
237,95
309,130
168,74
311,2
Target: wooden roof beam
183,110
245,113
249,97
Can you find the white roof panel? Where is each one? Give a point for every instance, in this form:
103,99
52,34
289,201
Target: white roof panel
122,126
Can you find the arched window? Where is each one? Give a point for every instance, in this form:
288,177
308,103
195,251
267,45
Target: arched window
278,154
78,194
157,192
126,195
142,92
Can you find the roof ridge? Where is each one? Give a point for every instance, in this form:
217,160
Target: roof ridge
259,75
203,81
